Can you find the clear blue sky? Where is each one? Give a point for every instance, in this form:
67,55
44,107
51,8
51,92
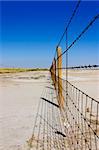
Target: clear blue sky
30,31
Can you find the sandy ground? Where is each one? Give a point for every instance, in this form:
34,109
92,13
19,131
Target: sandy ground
19,97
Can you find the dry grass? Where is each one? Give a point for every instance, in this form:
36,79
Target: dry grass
16,70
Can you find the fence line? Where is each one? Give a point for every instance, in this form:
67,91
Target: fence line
81,114
79,111
67,118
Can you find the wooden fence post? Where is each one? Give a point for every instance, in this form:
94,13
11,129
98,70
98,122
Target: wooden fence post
51,70
54,71
59,66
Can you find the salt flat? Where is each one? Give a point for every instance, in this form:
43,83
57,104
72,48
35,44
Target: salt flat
19,97
85,80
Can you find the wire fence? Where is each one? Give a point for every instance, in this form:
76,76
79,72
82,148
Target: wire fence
80,115
67,118
79,111
48,131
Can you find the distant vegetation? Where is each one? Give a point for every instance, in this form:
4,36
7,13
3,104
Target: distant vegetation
15,70
86,67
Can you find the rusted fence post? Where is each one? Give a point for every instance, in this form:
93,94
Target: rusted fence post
60,88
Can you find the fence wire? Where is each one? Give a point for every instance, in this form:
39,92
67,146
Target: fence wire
80,112
75,125
48,132
81,117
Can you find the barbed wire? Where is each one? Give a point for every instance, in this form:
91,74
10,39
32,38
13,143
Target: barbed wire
71,18
68,24
81,34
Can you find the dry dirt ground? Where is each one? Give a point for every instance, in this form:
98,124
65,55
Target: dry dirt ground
19,97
